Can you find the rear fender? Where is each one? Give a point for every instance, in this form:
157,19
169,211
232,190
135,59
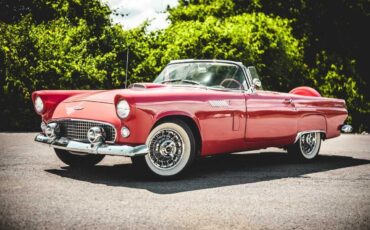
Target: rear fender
312,122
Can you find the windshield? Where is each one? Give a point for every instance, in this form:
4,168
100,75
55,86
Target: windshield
210,74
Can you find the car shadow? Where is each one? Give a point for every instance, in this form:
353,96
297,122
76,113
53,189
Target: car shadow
214,172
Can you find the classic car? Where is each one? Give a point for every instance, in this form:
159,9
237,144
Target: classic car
194,108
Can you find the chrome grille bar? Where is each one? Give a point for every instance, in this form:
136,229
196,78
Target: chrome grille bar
77,129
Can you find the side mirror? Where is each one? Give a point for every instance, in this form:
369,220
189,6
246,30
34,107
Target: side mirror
257,83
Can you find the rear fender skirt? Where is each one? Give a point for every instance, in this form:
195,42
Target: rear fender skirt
312,122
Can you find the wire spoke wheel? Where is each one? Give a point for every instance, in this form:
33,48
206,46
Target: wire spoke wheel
171,148
166,149
308,144
307,147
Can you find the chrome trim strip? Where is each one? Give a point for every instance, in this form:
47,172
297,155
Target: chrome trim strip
95,121
299,134
43,139
101,148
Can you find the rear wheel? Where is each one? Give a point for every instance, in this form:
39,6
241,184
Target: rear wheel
78,160
171,147
307,147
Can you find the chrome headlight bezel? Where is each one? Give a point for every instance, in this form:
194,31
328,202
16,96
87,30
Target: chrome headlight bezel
123,109
39,105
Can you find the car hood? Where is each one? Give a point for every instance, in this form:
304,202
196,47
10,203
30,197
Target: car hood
108,96
103,96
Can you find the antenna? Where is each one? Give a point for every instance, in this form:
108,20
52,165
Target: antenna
127,54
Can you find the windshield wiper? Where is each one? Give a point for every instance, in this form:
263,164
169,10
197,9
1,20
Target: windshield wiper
182,80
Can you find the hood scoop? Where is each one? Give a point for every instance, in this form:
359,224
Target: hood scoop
146,85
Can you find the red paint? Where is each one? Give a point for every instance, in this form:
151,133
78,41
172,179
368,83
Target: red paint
305,91
147,85
52,98
251,121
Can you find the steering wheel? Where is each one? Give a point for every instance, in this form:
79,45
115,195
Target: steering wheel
232,80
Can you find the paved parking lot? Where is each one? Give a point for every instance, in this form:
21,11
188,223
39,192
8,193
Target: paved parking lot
258,190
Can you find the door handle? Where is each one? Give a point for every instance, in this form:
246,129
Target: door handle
288,101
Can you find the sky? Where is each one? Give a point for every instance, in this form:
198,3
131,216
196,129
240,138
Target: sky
140,10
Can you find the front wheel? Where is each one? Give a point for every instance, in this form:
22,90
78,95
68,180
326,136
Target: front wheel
78,160
171,147
307,146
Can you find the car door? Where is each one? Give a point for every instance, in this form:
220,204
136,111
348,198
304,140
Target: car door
271,118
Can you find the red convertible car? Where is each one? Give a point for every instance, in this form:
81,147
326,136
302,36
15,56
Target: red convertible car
194,108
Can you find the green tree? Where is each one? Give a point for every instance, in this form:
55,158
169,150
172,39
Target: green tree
72,44
336,48
256,39
331,33
74,47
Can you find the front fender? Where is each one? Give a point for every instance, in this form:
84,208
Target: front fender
165,114
52,98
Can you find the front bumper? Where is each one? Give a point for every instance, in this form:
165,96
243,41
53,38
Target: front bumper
99,148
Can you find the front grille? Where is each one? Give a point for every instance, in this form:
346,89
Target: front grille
77,129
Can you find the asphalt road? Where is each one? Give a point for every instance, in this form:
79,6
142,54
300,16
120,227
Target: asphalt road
249,191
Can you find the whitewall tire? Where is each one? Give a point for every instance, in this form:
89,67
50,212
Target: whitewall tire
307,146
171,147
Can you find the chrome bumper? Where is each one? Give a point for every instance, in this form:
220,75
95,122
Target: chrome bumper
99,148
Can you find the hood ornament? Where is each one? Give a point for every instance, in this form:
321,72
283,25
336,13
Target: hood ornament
70,110
77,107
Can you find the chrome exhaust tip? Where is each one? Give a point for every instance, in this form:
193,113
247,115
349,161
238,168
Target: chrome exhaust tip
346,129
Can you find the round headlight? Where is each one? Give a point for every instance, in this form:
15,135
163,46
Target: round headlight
39,105
123,109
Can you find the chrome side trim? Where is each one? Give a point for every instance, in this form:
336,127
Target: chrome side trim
299,134
101,148
219,103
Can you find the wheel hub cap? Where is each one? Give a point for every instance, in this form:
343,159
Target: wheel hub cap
166,148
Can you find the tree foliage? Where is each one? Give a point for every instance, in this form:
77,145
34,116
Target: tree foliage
72,44
55,45
332,33
254,39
